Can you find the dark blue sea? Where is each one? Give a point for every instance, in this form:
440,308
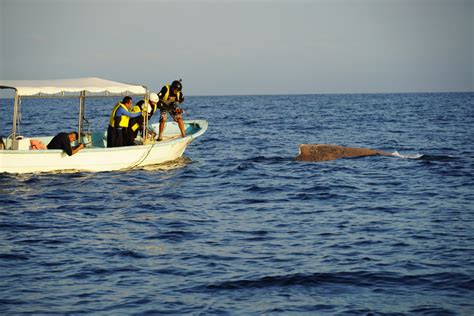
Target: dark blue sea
237,226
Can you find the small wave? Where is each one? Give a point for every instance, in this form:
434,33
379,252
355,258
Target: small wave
19,227
176,236
445,281
275,159
126,254
12,256
437,158
407,156
431,310
259,235
260,189
44,241
88,272
291,280
424,157
255,232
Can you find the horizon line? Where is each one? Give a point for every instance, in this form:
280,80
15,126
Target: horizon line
276,94
325,93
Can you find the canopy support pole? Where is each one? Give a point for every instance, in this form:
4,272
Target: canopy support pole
16,110
145,118
80,124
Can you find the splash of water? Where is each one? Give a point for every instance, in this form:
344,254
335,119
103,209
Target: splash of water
407,156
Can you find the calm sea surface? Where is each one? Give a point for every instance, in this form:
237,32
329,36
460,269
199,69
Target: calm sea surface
239,227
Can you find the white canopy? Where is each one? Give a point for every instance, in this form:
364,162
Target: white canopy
92,85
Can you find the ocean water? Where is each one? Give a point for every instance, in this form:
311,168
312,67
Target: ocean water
237,226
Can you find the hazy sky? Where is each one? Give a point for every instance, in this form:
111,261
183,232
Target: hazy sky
245,47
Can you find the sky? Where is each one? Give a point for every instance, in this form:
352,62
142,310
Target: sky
244,47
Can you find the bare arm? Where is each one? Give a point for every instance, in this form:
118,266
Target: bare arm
75,149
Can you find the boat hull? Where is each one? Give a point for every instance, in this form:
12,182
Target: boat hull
102,159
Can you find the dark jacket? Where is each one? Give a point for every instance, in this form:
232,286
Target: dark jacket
61,141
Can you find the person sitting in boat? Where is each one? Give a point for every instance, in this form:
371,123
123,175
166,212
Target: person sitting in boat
170,97
117,132
63,141
136,124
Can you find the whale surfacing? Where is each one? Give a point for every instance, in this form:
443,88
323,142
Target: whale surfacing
326,152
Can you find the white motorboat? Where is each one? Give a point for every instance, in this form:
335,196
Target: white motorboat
17,157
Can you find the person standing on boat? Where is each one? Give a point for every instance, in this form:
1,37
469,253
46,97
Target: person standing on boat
63,141
170,97
136,124
117,133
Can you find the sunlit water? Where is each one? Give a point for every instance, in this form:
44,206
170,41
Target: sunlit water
239,226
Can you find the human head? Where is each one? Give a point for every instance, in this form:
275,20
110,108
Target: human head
176,86
154,98
127,101
73,136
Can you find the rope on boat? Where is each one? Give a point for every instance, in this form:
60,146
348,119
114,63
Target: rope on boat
141,159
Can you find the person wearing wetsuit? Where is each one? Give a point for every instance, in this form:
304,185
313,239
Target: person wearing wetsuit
170,97
63,141
117,132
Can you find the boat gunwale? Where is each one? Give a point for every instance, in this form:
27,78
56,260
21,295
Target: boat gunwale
188,138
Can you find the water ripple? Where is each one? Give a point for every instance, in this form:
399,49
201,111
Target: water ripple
239,227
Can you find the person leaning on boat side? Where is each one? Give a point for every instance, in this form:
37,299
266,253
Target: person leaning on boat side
136,123
170,97
63,141
117,132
